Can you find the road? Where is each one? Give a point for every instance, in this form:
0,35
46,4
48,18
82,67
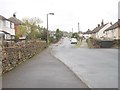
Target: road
42,71
98,68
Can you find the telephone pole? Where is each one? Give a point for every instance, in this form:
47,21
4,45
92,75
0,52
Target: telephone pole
78,28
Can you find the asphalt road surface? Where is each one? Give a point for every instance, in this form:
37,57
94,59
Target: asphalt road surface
98,68
42,71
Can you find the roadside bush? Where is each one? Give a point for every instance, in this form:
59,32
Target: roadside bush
116,43
93,43
52,40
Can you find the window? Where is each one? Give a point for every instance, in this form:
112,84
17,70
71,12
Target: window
10,24
0,23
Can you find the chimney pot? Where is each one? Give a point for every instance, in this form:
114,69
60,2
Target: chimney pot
14,15
98,25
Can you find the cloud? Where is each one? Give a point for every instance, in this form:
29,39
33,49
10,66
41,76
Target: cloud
67,12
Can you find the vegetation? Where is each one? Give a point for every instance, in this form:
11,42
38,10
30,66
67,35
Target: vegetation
116,43
56,37
75,35
58,34
31,29
93,43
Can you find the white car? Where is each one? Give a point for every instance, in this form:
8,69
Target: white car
73,41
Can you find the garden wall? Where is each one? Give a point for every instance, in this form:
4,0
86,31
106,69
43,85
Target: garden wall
14,55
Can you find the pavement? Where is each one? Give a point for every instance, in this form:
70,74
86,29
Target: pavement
42,71
83,44
0,67
98,68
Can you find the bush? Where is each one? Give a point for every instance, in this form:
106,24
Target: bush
93,43
116,43
52,40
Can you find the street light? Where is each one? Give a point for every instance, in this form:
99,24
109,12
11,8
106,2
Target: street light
47,25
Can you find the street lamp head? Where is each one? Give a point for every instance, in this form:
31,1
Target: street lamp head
51,13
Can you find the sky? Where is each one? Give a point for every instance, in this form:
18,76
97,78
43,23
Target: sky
67,13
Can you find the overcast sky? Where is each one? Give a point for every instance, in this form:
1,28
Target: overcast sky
89,13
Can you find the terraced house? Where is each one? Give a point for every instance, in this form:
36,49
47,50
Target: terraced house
113,32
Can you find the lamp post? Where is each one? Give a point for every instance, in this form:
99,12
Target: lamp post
47,27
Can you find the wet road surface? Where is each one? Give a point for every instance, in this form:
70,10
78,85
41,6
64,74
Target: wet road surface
98,68
42,71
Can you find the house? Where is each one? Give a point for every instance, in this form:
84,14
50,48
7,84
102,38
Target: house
7,28
97,29
113,32
80,33
87,34
65,34
52,33
16,22
100,34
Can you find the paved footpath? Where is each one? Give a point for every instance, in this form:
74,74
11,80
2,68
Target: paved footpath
83,44
42,71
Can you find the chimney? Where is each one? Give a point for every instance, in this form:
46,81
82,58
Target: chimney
14,15
98,25
102,23
111,23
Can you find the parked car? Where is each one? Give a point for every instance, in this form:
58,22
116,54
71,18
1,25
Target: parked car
73,41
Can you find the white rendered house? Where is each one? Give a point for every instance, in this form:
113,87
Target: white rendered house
100,34
7,27
113,32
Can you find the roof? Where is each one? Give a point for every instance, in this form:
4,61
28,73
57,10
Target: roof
2,18
5,32
15,20
115,25
119,23
97,29
88,32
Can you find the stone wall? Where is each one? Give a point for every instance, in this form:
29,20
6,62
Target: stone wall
14,55
1,56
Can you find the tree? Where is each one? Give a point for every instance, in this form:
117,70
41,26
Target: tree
75,35
21,31
58,34
44,34
33,28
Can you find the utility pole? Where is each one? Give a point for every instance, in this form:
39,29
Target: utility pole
72,30
78,28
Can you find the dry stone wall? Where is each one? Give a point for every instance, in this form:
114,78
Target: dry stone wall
1,56
13,56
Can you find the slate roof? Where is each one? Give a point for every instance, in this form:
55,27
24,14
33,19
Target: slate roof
119,23
2,18
15,20
98,28
88,32
115,25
